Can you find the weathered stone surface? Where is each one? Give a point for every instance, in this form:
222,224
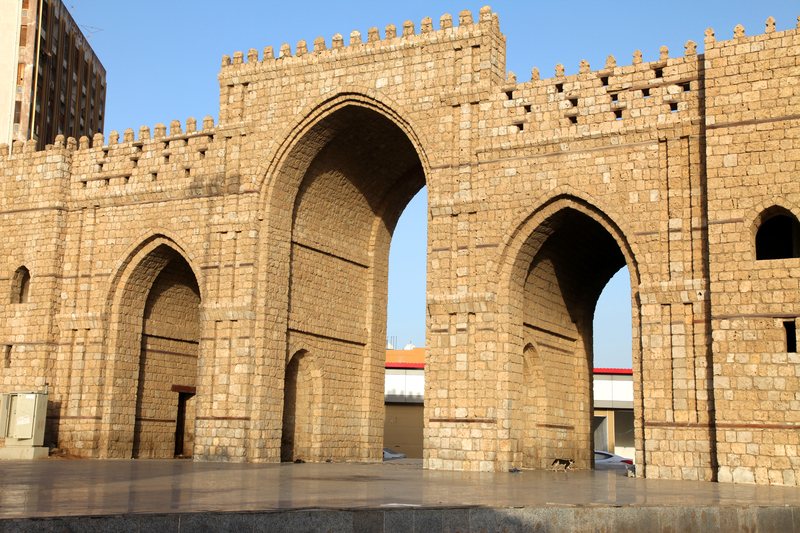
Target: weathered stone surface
487,520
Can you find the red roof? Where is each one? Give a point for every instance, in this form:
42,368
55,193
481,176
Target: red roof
405,365
626,371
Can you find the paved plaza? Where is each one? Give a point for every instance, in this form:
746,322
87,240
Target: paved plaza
181,490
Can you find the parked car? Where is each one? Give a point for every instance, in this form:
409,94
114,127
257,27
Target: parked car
389,454
609,461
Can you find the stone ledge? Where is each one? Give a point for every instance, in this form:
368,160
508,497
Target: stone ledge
709,519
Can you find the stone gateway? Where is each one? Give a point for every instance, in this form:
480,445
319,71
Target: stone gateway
220,290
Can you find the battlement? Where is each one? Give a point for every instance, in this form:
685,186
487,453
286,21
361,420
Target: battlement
613,98
357,46
28,148
637,65
739,36
85,170
642,95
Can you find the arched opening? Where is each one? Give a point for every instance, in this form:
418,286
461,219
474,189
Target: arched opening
150,370
405,356
20,286
534,402
571,257
165,406
613,366
778,235
301,429
355,171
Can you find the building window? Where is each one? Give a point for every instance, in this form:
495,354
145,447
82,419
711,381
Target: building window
778,236
17,114
20,286
791,336
23,35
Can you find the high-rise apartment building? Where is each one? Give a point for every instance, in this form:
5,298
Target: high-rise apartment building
51,81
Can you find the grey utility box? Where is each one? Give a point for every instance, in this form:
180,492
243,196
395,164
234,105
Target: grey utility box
22,418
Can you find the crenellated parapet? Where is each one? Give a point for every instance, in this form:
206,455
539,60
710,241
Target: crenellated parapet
610,100
751,74
642,96
357,46
457,63
97,141
153,163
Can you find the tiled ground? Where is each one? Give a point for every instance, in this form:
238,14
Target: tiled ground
78,488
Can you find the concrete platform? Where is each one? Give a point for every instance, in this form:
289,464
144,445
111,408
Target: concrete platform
180,495
24,452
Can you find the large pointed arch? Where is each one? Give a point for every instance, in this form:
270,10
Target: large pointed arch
295,152
551,269
332,193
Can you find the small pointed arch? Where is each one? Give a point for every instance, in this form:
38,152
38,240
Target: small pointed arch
531,361
533,379
137,252
777,234
20,286
534,406
301,394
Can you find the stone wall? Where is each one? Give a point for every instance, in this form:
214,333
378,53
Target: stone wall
753,165
538,192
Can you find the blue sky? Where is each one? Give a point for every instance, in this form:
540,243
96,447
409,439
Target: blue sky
162,60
